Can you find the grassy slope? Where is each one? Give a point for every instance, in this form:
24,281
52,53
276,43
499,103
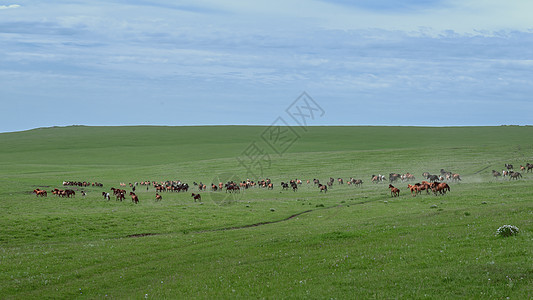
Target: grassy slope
361,246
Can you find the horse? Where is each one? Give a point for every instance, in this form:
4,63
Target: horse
41,193
496,173
322,187
509,166
514,175
294,186
423,186
433,178
529,167
158,197
120,196
394,192
456,177
414,188
196,197
134,198
284,186
106,195
340,181
440,188
394,176
358,182
407,177
377,178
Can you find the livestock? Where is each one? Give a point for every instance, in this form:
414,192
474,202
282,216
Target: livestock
196,197
134,198
515,175
394,192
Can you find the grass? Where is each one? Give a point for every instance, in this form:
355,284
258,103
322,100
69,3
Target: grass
348,243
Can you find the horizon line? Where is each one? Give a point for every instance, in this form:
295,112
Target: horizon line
261,125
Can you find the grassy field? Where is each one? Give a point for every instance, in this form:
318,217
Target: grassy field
351,242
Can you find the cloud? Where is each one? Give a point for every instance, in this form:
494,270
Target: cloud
154,51
9,6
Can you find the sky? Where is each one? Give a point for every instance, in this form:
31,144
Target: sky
206,62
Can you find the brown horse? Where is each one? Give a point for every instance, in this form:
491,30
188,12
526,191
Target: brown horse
529,167
39,192
158,197
424,186
440,188
496,173
196,197
394,192
322,187
120,196
414,189
134,198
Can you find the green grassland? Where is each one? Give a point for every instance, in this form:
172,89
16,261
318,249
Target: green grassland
351,242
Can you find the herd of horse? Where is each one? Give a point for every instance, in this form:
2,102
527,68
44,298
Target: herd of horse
432,183
509,171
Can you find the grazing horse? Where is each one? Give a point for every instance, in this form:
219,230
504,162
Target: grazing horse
196,197
496,173
284,186
322,187
456,177
134,198
394,192
158,197
514,175
340,181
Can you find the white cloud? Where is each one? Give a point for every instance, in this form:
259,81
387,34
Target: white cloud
9,6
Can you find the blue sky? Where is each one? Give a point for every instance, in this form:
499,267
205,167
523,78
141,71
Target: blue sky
205,62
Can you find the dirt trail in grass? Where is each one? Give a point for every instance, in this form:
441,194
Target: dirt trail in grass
249,225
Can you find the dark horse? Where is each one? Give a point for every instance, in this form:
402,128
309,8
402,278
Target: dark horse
134,198
196,197
515,175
